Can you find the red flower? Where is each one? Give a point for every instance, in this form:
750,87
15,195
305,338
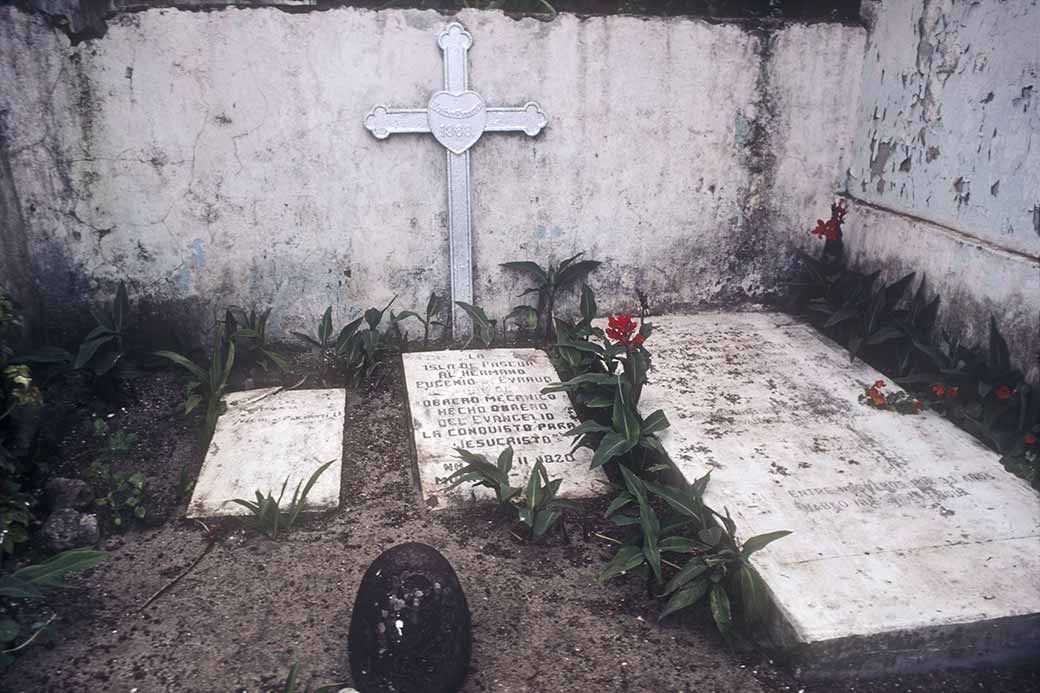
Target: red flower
831,229
1030,439
952,391
878,384
939,389
877,398
1003,392
622,328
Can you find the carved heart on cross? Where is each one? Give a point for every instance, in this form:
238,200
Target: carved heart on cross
457,120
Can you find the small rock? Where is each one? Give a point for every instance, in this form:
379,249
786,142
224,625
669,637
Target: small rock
410,631
69,529
68,493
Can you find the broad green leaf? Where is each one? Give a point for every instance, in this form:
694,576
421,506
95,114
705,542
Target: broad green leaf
531,268
325,327
543,520
683,502
687,596
587,304
622,499
753,594
571,273
88,349
720,610
610,447
693,568
624,420
680,545
589,426
8,630
626,559
505,461
710,535
50,574
184,363
655,423
307,338
759,542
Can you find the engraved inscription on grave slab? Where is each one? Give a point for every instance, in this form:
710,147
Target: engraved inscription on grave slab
483,401
266,436
902,524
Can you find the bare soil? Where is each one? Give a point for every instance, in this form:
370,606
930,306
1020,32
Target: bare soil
252,607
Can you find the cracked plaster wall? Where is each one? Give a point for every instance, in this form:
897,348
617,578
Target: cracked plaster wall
946,159
219,157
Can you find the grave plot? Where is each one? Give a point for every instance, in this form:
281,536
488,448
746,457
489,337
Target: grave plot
911,545
483,401
265,437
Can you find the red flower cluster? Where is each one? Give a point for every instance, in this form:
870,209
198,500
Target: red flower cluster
875,393
1004,392
622,329
831,229
941,390
1030,439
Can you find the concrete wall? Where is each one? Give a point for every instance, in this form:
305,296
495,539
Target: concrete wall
946,159
216,157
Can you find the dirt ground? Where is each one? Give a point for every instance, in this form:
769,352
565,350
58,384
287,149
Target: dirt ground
252,607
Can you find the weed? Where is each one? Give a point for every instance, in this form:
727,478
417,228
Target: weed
249,332
717,568
434,308
483,326
362,351
209,384
549,282
21,615
267,511
538,509
291,685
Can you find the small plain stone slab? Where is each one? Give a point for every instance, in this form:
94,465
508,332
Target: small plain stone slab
483,401
912,547
265,437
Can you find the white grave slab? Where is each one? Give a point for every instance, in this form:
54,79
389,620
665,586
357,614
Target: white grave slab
483,401
912,546
266,436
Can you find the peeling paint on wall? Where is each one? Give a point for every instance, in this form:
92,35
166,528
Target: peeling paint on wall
961,114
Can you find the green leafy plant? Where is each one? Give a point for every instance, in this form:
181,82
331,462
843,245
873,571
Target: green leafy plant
104,349
549,282
324,341
434,309
604,389
18,392
249,332
538,509
122,495
483,326
185,482
268,514
292,684
361,351
541,507
23,616
481,472
712,562
990,399
209,383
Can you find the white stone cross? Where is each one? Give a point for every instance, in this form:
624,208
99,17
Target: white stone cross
457,117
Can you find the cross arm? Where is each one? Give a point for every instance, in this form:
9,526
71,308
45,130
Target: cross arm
384,121
529,119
